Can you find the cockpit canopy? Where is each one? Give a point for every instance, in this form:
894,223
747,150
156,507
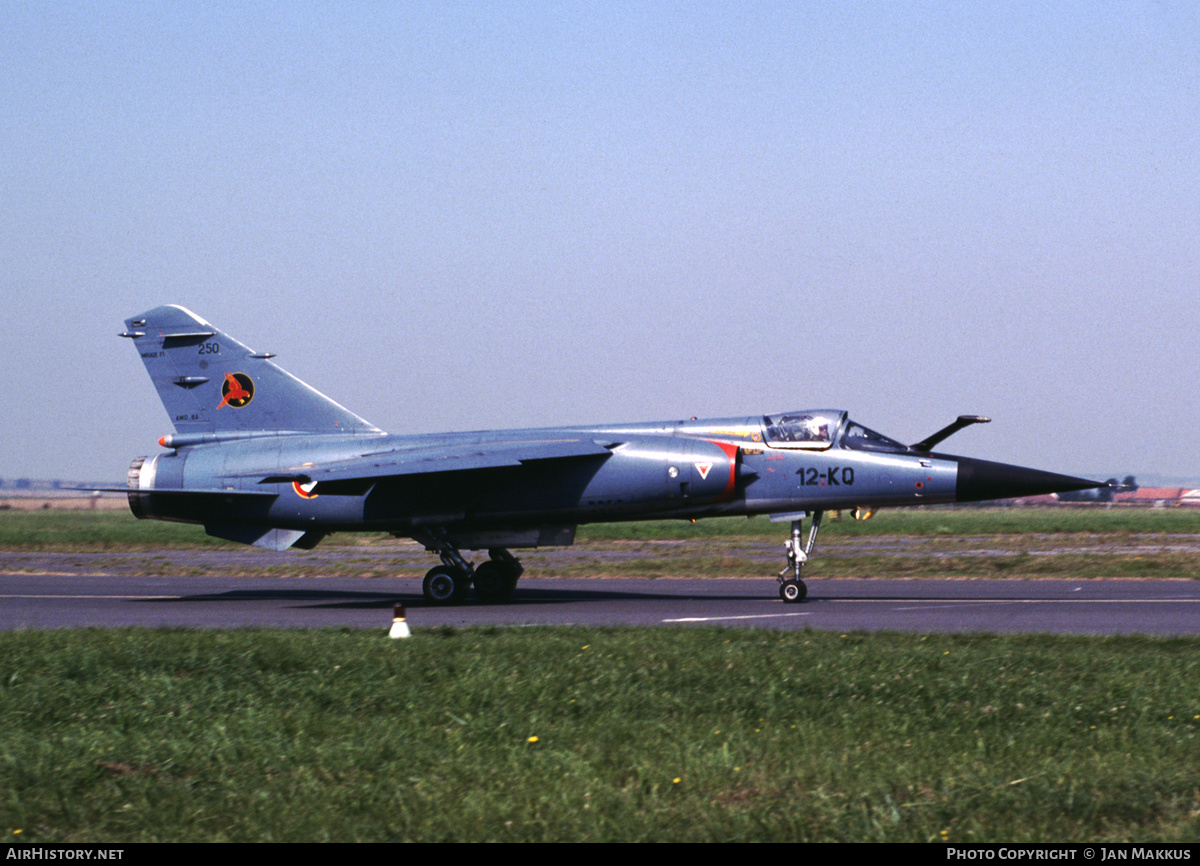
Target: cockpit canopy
812,429
860,438
818,429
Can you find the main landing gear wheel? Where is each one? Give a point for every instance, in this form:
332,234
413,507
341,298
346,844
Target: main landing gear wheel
496,579
793,591
450,582
491,583
445,585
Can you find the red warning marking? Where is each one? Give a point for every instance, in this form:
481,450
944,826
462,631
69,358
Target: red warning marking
703,469
731,452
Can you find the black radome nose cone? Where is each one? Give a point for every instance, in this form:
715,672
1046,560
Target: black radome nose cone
981,480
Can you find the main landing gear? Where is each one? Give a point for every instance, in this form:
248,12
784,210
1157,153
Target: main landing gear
791,587
450,582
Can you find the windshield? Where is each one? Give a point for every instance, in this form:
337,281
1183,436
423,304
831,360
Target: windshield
809,429
860,438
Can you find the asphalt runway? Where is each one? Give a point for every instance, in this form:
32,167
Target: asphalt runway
1152,607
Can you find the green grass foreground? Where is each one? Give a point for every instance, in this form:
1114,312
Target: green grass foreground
596,734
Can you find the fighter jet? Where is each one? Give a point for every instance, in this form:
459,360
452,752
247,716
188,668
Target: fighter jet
261,458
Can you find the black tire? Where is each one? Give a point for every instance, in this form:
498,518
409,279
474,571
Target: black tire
793,591
443,585
494,583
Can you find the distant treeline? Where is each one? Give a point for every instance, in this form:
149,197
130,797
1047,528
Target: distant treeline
32,484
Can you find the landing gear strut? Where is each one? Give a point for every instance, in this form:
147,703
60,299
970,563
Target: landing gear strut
450,582
791,587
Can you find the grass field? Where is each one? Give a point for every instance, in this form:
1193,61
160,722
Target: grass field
963,543
596,734
62,529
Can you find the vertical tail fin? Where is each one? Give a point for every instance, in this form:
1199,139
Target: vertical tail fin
210,383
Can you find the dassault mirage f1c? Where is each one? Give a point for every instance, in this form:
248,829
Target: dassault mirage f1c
259,457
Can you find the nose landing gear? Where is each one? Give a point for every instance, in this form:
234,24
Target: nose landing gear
791,588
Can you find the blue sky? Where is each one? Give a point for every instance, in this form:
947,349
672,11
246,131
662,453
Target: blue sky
470,215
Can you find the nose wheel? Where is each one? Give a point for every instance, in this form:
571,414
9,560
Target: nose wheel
792,591
791,588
